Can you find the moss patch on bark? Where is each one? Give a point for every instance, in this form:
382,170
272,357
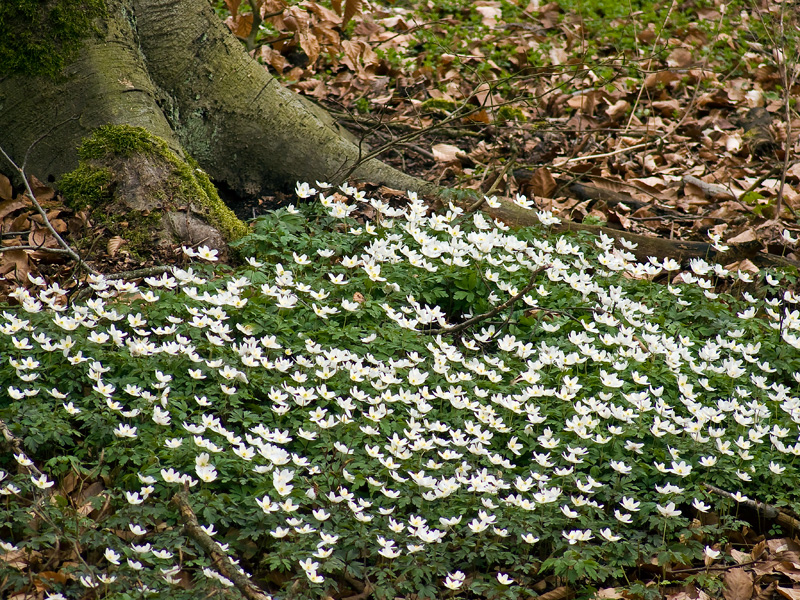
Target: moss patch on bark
40,37
128,177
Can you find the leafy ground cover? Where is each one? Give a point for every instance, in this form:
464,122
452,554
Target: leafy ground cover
386,401
416,405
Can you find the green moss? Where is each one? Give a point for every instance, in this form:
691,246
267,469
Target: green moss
122,141
90,184
510,113
224,218
41,37
438,105
86,186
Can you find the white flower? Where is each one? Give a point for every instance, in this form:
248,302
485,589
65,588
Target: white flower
42,482
776,468
669,510
504,579
455,580
606,533
576,535
207,253
136,529
711,553
111,556
303,190
125,431
700,505
23,460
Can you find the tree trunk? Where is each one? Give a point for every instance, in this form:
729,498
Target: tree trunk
173,68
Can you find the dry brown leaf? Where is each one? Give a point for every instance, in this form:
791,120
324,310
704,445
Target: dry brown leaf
490,13
791,593
240,25
233,6
16,263
18,559
9,206
39,237
351,8
607,593
679,57
358,297
6,193
758,550
619,109
738,585
543,183
447,152
114,244
748,235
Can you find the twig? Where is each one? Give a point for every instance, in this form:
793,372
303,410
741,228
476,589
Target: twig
714,568
710,189
15,444
43,248
649,63
222,562
69,251
495,185
606,154
495,311
137,273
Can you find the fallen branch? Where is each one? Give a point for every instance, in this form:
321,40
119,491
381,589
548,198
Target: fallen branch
710,189
488,315
514,216
222,562
766,510
364,589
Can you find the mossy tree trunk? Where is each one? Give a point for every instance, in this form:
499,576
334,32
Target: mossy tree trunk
172,67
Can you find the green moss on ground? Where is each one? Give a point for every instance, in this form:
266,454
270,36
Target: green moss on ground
438,105
41,37
510,113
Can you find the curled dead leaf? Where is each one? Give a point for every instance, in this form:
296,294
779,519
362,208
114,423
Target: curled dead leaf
6,193
447,153
358,297
114,244
16,264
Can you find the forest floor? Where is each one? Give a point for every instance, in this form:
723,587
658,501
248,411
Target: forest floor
672,120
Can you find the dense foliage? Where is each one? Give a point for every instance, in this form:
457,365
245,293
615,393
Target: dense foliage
415,400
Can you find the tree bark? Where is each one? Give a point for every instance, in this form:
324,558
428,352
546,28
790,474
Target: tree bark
172,67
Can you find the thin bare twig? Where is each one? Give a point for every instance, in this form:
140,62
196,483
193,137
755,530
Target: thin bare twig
15,444
69,251
495,311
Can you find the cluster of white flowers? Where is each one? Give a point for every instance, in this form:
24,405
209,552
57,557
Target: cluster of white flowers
509,432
